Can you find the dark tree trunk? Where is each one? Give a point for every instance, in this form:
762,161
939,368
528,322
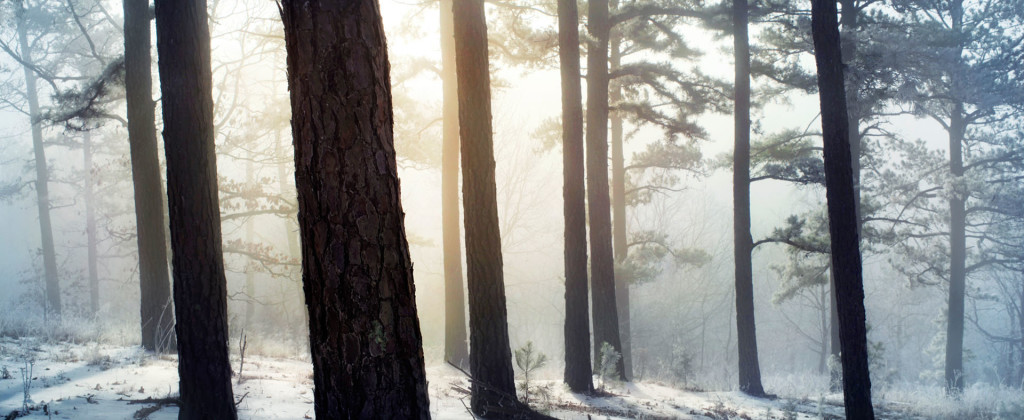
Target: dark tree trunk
455,346
90,224
52,305
841,211
200,290
578,373
619,244
489,353
957,224
746,334
602,263
156,309
357,275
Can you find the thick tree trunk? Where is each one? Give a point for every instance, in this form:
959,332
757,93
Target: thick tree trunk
200,290
490,356
602,263
841,211
746,334
357,274
455,346
578,372
619,245
90,225
957,225
52,301
156,310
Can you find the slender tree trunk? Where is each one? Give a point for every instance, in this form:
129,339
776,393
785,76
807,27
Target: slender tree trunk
619,233
200,290
578,373
156,310
746,334
90,224
250,275
848,21
52,301
842,214
357,274
602,263
957,223
455,346
490,356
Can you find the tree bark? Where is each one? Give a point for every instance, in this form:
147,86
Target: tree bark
619,233
156,309
578,372
357,274
602,263
455,346
842,214
200,290
957,223
90,224
490,357
746,334
52,302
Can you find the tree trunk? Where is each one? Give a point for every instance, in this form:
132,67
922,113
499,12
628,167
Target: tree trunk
250,275
357,274
90,224
848,44
156,309
578,373
52,301
602,263
957,224
489,353
841,210
619,245
746,334
200,290
455,350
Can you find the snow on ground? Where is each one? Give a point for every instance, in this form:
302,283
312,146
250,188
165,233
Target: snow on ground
98,381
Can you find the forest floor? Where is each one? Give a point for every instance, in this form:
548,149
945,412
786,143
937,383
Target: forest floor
99,381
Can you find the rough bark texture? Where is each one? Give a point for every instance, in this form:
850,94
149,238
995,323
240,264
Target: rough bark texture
841,210
957,226
493,391
602,263
157,319
848,21
357,274
200,291
90,225
746,333
455,343
578,372
53,305
619,244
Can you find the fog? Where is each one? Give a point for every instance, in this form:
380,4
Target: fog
682,296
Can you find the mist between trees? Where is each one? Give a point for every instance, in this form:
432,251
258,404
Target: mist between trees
532,174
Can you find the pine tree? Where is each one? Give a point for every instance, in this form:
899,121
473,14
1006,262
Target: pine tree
746,336
839,184
200,290
364,331
157,320
455,343
578,372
